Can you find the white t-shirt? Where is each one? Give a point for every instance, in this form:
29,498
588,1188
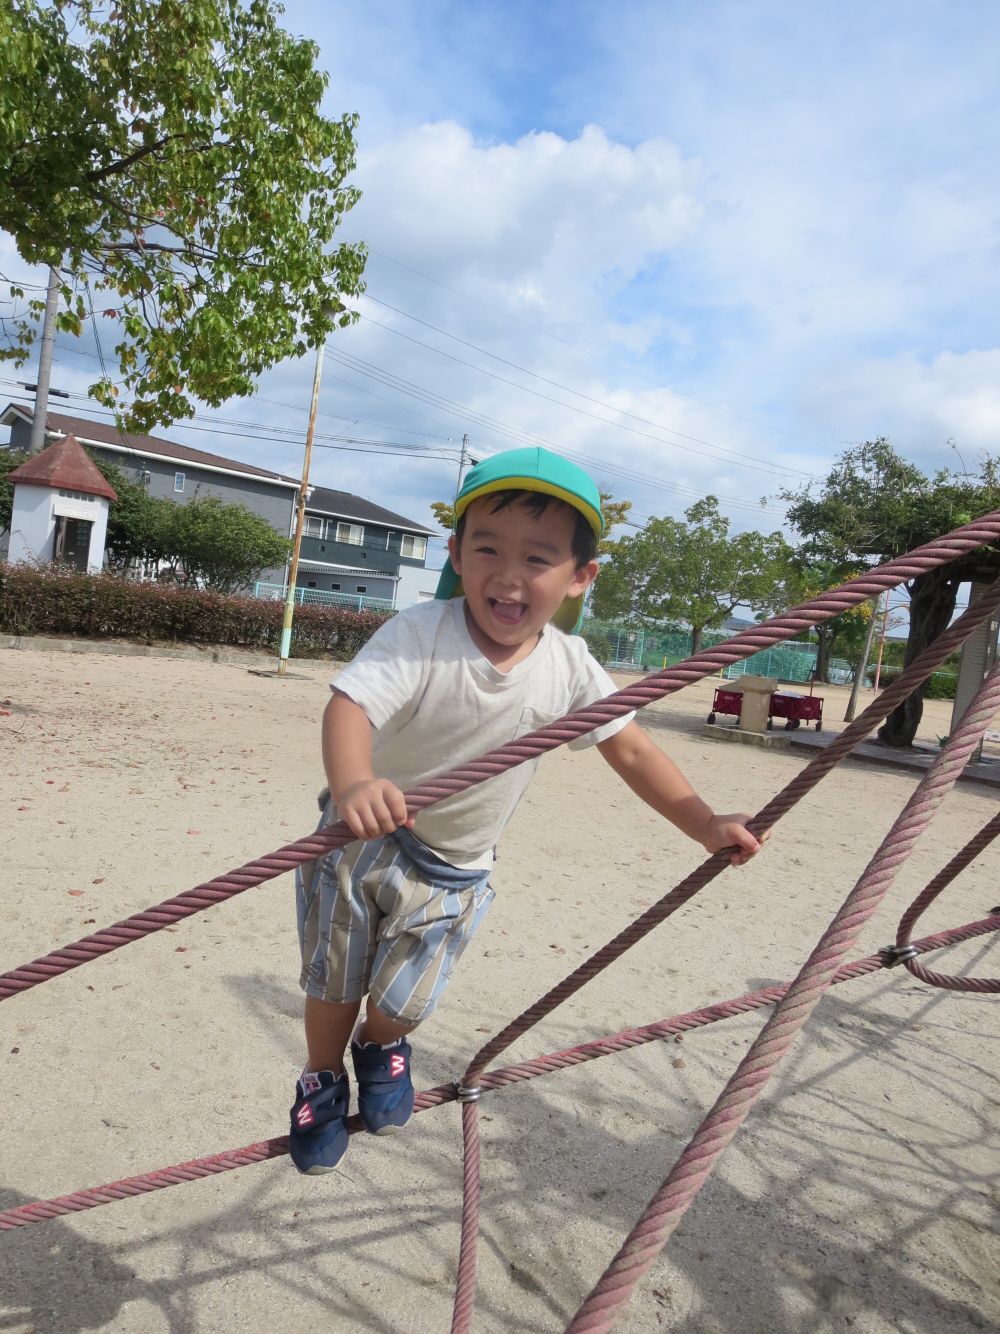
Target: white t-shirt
435,702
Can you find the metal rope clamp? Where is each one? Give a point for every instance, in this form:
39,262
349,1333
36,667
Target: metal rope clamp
893,955
468,1094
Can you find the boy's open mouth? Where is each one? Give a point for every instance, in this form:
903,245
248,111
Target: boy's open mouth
509,613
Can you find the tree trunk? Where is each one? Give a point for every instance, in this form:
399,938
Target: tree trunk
697,631
823,654
932,603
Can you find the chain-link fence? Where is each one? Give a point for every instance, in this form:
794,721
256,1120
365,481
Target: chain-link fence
625,647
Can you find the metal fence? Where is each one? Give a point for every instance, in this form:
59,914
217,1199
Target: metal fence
651,649
319,597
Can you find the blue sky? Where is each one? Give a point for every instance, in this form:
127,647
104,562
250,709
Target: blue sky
732,238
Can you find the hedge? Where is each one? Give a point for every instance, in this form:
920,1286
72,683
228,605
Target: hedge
941,685
55,601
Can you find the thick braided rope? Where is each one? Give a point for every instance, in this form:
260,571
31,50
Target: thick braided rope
926,897
717,1130
803,783
42,1210
826,605
465,1287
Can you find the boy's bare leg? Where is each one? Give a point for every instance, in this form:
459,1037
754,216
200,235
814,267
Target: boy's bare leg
379,1028
328,1031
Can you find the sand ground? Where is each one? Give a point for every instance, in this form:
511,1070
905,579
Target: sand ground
862,1193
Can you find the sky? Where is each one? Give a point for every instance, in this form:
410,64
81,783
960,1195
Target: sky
702,248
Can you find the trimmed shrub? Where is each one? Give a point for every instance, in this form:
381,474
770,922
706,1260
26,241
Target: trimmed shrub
941,686
55,601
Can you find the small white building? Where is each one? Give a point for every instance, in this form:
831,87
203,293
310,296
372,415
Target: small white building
60,509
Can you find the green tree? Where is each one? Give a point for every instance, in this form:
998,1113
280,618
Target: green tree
221,546
8,462
843,635
875,505
169,156
693,571
139,524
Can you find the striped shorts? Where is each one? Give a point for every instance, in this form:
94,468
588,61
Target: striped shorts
388,918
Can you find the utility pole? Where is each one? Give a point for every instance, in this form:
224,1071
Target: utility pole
45,365
862,666
463,459
300,519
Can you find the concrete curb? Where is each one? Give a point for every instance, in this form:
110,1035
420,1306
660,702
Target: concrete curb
185,652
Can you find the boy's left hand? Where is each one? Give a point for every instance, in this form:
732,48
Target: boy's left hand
730,831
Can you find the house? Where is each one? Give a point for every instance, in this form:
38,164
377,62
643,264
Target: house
60,508
355,547
350,546
167,470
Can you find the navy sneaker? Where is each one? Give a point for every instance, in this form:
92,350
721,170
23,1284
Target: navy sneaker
385,1091
318,1138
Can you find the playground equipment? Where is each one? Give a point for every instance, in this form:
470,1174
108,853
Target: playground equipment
793,1003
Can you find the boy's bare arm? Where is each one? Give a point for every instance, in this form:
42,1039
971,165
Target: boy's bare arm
655,778
370,806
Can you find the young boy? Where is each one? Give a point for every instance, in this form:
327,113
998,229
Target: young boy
441,683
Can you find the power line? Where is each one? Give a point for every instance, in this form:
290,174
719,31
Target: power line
396,382
388,448
587,352
718,450
572,407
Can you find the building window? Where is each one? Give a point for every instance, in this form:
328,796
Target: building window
313,527
310,583
352,533
414,547
388,539
361,588
335,587
178,482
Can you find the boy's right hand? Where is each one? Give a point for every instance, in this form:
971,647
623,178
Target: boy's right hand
372,808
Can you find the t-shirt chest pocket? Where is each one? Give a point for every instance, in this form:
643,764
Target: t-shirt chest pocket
532,719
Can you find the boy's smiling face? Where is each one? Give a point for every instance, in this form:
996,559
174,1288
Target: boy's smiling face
517,568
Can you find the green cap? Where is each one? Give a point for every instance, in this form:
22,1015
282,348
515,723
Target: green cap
529,470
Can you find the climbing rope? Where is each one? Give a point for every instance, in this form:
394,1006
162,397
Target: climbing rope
793,1003
717,1130
927,896
801,783
41,1211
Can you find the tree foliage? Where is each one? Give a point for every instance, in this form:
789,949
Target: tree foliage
875,505
169,158
692,570
214,545
8,462
843,635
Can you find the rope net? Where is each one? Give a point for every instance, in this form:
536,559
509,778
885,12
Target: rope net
793,1002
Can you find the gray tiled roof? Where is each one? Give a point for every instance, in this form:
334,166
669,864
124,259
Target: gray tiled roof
343,505
106,433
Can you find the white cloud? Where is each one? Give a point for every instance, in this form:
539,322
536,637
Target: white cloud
922,405
545,220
